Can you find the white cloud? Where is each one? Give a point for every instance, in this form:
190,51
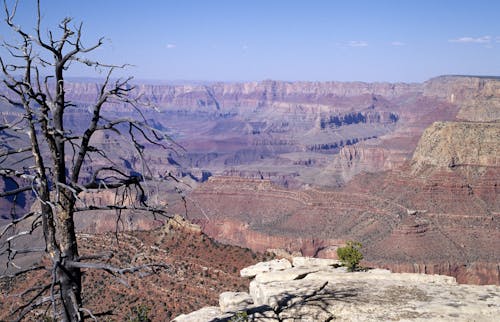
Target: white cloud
397,43
357,43
472,40
171,46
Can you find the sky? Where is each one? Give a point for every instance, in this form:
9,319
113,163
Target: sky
243,40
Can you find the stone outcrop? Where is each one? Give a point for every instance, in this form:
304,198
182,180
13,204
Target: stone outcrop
299,261
458,144
178,222
234,301
264,267
329,292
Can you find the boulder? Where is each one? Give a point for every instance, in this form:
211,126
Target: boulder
234,301
283,293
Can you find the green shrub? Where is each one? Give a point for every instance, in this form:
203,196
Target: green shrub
239,317
139,313
350,255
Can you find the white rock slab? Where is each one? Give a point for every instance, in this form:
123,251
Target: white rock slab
286,274
375,295
262,267
262,314
234,301
307,313
310,261
202,315
277,294
380,274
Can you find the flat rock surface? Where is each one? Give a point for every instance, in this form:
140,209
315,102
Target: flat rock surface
286,275
328,293
311,261
205,314
234,301
263,267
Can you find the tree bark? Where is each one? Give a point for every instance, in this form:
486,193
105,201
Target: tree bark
70,278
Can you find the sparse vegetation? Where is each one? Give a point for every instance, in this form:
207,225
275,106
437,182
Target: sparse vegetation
239,317
139,313
350,255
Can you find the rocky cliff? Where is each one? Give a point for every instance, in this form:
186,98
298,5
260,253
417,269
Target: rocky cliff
280,94
255,127
318,290
478,97
458,145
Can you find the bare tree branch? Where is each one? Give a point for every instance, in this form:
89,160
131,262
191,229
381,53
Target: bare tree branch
24,271
15,191
58,166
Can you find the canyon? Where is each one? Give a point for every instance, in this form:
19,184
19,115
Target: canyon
409,170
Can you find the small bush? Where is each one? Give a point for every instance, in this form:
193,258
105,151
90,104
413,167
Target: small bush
139,313
239,317
350,255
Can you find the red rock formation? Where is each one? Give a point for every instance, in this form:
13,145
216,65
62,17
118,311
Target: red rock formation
440,208
403,221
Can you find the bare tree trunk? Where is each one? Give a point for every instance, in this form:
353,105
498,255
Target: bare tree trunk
70,278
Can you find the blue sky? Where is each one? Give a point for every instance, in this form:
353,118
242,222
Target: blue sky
239,40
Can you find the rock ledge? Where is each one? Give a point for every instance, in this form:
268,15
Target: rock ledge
317,290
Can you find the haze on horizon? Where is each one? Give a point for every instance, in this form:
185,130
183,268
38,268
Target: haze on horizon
407,41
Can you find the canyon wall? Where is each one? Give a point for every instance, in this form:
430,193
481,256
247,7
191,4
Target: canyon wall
435,208
478,97
251,94
314,164
459,144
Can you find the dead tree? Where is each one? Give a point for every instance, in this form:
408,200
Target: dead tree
50,163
